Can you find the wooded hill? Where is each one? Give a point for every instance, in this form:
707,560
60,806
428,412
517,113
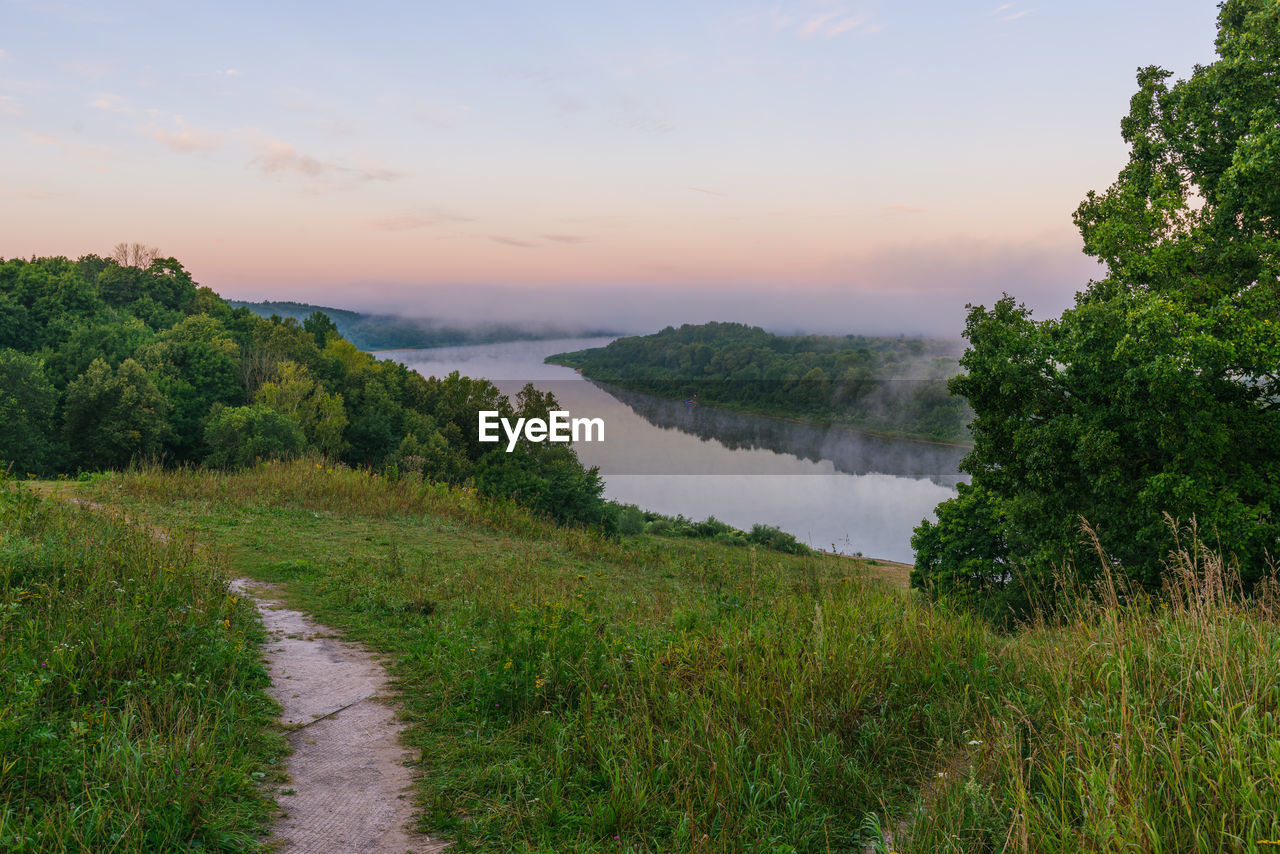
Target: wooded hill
103,364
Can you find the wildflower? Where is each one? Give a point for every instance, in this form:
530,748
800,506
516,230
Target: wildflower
507,666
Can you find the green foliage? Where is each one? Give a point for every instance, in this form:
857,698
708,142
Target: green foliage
194,366
545,477
240,436
321,415
133,711
135,363
1158,392
114,417
888,385
27,400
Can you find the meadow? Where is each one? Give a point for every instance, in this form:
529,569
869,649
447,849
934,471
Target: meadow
133,712
567,691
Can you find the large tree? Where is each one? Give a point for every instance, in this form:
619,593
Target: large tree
1159,391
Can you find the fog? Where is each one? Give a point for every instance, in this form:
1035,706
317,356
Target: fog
904,290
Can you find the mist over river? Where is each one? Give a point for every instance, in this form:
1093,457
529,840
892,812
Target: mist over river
831,488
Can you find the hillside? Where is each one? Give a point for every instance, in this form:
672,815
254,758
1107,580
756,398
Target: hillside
571,692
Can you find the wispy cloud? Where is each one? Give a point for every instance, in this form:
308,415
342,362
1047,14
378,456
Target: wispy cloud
565,238
829,24
10,107
111,103
901,207
231,72
708,192
511,241
808,20
411,221
1009,12
185,139
79,149
278,158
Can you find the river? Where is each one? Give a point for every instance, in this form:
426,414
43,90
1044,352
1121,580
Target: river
833,489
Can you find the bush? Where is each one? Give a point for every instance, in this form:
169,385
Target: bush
240,436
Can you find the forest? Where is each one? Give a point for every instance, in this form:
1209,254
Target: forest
892,386
105,364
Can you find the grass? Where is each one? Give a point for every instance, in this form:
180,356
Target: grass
132,711
567,692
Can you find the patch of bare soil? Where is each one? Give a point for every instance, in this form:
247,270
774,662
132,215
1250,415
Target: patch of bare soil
349,788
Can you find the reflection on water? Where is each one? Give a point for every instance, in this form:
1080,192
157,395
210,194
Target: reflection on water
828,487
847,450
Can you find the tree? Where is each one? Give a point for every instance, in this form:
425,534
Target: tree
112,418
27,400
320,414
240,436
194,365
134,255
1159,391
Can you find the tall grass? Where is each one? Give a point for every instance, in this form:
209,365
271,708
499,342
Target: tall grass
132,712
567,692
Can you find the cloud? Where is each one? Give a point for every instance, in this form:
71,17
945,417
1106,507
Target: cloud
80,149
511,241
1012,16
565,238
186,139
708,192
901,207
829,24
10,107
110,103
231,72
275,157
411,221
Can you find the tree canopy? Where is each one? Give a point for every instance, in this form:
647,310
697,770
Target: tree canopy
1159,391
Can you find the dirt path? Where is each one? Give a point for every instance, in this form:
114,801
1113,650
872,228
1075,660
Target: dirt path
349,786
349,789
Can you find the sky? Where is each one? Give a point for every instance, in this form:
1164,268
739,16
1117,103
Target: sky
829,166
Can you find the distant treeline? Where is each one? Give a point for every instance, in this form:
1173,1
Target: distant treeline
895,386
390,332
104,364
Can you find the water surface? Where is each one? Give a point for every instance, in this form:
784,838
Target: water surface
831,488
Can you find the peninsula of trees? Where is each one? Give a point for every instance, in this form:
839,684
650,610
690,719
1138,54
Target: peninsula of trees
892,386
